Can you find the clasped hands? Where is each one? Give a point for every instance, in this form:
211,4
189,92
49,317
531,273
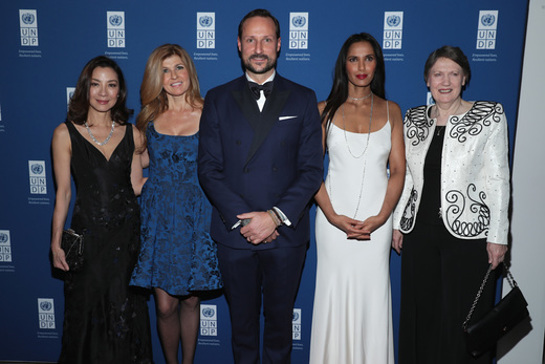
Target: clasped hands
356,229
260,229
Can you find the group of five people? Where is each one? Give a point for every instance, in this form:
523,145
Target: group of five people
226,205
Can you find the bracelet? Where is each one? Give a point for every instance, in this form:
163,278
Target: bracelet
278,216
274,217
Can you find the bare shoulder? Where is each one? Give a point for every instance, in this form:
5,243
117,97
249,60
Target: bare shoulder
321,106
395,113
394,107
137,136
61,129
135,131
61,139
61,133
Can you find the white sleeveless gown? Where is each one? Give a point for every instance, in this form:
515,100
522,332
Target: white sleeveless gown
352,315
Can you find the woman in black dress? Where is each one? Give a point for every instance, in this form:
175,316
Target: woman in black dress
453,212
104,321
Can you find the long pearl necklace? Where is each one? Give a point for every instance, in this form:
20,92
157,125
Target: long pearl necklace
95,139
356,157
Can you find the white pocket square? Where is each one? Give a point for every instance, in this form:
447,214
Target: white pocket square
282,118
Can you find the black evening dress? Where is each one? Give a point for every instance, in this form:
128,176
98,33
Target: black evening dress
104,321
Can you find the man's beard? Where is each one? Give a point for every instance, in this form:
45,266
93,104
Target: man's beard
268,65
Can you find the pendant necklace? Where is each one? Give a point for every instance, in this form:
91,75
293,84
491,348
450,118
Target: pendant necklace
356,157
95,139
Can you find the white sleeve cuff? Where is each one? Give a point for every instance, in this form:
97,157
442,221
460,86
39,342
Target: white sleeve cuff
283,217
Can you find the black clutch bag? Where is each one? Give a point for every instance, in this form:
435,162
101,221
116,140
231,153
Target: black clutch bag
483,334
72,244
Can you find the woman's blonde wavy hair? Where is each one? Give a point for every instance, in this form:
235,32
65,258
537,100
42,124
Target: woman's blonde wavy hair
152,95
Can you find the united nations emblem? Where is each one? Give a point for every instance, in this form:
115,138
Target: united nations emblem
299,21
208,312
488,20
46,306
28,18
393,20
295,316
37,168
116,20
3,238
206,21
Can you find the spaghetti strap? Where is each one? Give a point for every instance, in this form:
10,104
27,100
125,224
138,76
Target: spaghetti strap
387,110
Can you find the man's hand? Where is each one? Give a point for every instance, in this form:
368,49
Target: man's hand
271,237
260,229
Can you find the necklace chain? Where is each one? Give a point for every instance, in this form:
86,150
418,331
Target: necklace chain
95,139
360,98
368,133
364,162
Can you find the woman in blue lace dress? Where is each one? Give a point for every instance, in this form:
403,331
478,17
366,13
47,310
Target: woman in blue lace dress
178,257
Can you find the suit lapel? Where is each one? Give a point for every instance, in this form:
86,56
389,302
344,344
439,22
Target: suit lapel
247,104
269,116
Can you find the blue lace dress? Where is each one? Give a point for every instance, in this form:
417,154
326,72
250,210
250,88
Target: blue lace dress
177,253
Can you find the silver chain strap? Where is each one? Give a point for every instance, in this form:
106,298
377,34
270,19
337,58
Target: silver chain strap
510,279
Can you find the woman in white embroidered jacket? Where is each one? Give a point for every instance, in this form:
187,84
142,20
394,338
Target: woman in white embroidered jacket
451,220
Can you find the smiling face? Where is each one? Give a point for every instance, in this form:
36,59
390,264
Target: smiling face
445,81
259,47
175,76
103,89
360,64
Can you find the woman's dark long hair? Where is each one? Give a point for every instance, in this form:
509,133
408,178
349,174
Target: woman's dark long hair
79,103
339,90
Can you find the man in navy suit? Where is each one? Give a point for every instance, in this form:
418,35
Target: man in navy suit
260,163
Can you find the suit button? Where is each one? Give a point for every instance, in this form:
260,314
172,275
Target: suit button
246,170
274,169
238,142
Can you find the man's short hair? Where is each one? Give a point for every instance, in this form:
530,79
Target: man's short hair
262,13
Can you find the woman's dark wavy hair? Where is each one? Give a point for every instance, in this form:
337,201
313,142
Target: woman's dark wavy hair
339,90
79,103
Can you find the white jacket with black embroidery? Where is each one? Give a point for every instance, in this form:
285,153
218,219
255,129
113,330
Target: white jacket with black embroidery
474,172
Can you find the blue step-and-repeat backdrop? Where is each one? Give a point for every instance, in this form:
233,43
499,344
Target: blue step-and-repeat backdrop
44,45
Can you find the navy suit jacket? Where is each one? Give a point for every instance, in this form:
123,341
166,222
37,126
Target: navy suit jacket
251,160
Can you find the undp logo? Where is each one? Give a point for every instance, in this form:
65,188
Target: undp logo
3,238
299,21
37,168
488,20
116,20
296,316
393,20
206,21
208,312
46,306
28,18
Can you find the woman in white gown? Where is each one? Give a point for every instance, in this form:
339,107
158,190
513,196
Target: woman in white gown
363,134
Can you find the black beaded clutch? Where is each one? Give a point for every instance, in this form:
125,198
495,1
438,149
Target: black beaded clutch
72,244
